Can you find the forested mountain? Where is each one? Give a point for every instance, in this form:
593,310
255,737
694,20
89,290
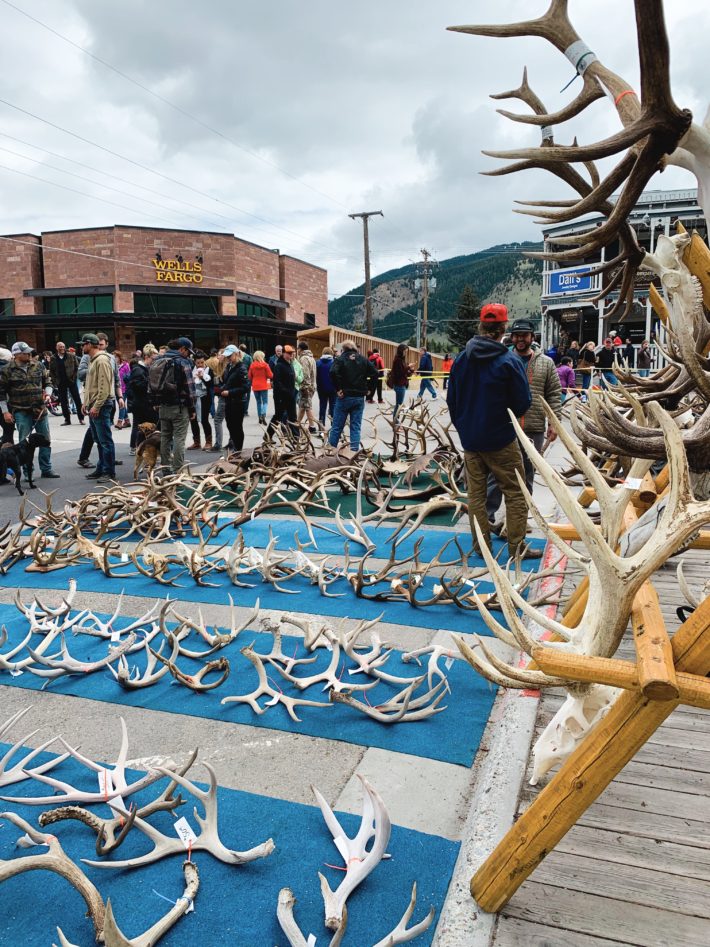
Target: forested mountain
500,272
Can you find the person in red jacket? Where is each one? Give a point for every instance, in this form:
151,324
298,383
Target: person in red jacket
260,376
375,359
446,367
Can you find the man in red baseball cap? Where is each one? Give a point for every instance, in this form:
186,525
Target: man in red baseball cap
486,382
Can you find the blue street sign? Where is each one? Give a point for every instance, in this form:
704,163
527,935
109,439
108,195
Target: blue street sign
570,281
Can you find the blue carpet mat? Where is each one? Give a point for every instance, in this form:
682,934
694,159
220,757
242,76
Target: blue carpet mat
309,600
452,736
235,905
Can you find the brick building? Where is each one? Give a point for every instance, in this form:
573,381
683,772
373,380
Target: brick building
142,284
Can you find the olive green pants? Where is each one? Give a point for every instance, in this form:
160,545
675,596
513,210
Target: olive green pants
502,464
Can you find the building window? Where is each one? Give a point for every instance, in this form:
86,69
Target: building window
167,304
81,305
310,319
7,308
255,310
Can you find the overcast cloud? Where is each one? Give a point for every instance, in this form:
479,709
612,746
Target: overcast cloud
337,107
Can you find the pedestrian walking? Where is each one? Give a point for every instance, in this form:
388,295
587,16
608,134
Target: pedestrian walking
308,386
487,381
137,396
544,384
630,353
426,367
217,365
606,356
353,376
173,393
284,387
399,376
325,386
260,375
202,380
63,373
565,373
446,367
375,359
232,389
645,358
278,352
8,429
585,366
99,396
24,389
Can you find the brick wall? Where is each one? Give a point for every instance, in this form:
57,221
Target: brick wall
21,269
90,262
305,288
256,269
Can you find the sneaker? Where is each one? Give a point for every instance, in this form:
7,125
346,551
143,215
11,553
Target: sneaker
84,463
49,475
65,424
119,463
94,475
215,450
106,478
132,451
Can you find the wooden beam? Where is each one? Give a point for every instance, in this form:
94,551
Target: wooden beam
658,304
604,752
693,691
567,532
654,656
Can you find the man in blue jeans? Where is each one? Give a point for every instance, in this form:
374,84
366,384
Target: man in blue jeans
353,376
426,367
99,394
24,387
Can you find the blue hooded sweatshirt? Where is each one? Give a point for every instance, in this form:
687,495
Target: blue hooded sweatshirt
486,381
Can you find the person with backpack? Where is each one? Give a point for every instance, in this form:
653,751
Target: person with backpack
425,370
137,393
172,391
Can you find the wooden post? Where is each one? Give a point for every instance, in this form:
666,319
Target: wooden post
586,773
654,655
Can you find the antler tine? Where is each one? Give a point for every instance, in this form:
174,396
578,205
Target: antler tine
400,934
591,91
553,25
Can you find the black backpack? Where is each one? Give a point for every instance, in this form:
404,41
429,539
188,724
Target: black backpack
164,381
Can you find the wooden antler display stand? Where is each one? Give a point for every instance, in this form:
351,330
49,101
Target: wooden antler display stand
667,673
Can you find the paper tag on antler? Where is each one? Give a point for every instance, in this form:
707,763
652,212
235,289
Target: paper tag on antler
184,831
311,942
115,635
449,663
580,55
633,483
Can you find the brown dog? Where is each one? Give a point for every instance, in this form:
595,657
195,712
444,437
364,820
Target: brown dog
148,451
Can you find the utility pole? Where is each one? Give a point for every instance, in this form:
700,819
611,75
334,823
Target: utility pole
425,267
368,292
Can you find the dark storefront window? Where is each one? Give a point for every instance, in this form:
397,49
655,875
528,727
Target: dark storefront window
82,305
7,308
310,319
255,310
159,304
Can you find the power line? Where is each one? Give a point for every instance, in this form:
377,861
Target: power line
165,177
172,105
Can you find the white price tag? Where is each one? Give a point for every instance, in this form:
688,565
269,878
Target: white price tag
125,557
449,663
311,942
633,483
115,635
184,831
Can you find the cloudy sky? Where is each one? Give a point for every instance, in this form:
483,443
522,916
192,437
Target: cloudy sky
274,120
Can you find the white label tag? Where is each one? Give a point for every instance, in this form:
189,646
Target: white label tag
311,942
125,557
184,832
15,673
633,483
448,663
115,634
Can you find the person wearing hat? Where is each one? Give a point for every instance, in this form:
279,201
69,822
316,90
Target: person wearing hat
486,382
284,388
24,388
606,356
175,402
544,384
99,403
232,389
353,376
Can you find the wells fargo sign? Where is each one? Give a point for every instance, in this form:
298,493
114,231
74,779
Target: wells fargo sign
177,271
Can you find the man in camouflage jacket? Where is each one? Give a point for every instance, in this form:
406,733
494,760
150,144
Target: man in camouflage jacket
24,387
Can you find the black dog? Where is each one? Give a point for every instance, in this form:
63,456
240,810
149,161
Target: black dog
17,456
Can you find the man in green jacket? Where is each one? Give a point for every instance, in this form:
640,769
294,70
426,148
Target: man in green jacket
544,383
24,387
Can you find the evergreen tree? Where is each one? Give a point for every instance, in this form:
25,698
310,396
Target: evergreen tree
463,326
